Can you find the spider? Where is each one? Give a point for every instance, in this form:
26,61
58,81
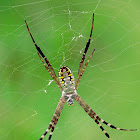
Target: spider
68,87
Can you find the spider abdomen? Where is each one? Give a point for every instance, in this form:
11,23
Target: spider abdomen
66,79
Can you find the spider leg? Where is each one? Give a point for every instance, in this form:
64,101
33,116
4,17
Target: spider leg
55,118
80,75
112,126
91,113
58,83
84,54
53,75
50,126
96,118
101,127
53,127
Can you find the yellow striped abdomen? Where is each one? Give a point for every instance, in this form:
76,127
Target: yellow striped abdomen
66,79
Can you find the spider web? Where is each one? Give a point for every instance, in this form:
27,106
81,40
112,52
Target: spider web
110,84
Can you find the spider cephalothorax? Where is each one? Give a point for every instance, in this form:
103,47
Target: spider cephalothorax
68,87
69,98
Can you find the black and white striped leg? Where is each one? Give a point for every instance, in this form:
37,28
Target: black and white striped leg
112,126
53,75
91,113
50,126
96,118
52,130
55,118
81,74
84,54
101,127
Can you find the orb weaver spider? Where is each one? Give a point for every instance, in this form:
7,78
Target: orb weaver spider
68,87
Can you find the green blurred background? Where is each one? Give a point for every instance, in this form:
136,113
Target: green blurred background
110,84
